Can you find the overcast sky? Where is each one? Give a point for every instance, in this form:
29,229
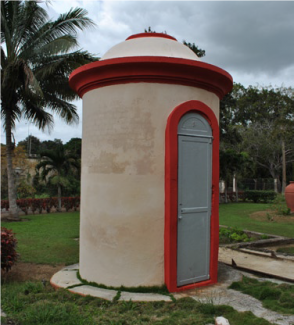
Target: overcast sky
251,40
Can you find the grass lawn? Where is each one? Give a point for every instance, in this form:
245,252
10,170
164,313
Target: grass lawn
277,297
47,238
33,304
238,215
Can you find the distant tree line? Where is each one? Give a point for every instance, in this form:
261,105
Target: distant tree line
44,168
256,134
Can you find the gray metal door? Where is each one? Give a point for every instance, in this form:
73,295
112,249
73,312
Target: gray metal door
194,199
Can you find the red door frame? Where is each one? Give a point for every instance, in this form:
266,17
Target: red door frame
171,194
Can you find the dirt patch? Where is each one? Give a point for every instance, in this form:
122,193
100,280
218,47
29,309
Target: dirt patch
270,216
30,272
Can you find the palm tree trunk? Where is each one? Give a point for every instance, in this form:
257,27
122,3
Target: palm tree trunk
13,211
59,197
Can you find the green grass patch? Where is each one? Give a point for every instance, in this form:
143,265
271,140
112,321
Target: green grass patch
277,297
288,250
237,215
47,238
142,289
34,304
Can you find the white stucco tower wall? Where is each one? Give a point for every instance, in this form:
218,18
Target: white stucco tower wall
127,98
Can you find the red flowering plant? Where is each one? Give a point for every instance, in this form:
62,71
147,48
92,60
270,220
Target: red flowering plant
8,252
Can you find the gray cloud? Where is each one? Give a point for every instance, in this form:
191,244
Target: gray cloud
252,40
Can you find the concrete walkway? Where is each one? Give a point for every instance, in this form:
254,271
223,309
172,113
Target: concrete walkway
259,262
218,294
67,278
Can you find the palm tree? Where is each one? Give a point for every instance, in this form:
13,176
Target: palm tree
55,166
36,60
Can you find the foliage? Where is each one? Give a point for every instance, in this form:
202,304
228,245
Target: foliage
233,235
8,249
74,146
279,206
277,297
55,167
260,196
32,145
232,162
24,189
38,57
31,304
259,121
21,168
197,50
48,239
43,204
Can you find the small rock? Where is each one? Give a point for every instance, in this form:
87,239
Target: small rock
221,321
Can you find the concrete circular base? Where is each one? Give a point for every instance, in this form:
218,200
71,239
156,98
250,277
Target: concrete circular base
67,278
218,294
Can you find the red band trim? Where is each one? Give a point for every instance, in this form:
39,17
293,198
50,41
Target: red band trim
171,194
151,69
162,35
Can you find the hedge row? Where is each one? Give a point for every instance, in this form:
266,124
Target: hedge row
260,196
38,205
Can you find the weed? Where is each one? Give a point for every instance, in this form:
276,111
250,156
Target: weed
279,206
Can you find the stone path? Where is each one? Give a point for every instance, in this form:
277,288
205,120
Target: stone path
67,278
220,295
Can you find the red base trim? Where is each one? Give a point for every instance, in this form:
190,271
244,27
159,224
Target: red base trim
171,194
150,69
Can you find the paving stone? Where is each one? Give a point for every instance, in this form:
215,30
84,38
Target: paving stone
94,292
72,267
65,278
134,296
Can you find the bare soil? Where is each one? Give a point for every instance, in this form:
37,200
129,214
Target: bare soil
30,272
270,216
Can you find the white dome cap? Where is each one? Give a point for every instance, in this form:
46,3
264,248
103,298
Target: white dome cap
150,44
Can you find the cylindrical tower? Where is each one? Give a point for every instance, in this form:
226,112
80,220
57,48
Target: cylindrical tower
144,95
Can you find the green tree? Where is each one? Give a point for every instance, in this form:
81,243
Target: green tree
37,56
55,168
74,146
32,145
50,145
267,115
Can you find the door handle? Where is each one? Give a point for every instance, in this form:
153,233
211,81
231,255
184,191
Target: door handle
180,217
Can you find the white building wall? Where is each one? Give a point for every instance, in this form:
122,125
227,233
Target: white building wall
122,195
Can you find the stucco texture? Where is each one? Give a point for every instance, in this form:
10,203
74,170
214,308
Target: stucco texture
122,197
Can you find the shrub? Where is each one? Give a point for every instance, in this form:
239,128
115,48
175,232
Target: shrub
279,206
232,235
8,252
257,196
43,204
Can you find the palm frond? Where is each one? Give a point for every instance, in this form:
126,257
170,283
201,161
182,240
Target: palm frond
34,112
67,111
31,17
69,22
66,24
